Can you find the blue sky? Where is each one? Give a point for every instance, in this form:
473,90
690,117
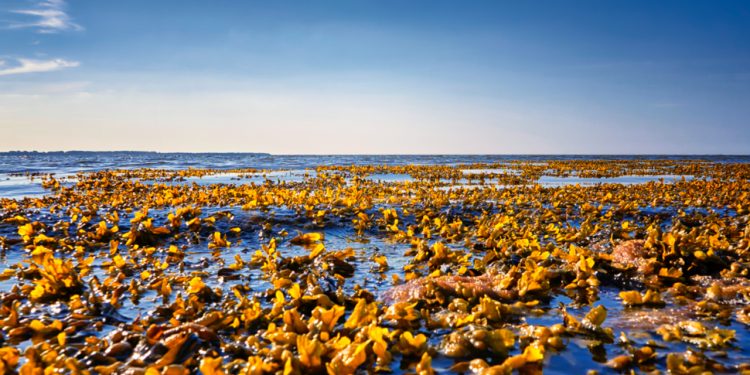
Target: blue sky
376,76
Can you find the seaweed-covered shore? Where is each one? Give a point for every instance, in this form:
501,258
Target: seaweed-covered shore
554,266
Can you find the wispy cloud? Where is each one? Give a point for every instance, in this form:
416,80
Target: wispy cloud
48,16
23,66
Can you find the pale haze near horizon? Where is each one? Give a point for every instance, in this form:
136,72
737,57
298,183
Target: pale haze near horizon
375,77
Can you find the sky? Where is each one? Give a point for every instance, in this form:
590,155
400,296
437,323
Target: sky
376,76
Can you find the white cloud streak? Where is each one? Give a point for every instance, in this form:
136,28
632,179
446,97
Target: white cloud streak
25,66
49,16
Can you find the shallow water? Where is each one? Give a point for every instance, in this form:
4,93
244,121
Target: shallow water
554,181
19,187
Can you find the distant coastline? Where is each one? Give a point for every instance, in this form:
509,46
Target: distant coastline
83,152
